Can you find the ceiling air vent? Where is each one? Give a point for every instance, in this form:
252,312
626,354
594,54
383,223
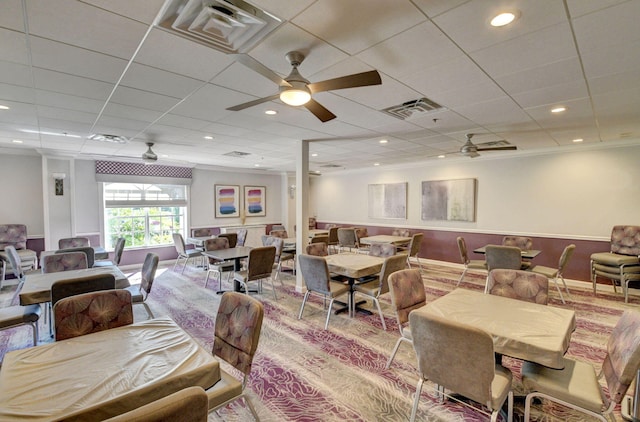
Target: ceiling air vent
331,166
231,26
237,154
413,108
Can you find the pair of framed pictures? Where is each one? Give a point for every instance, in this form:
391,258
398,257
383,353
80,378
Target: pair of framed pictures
227,201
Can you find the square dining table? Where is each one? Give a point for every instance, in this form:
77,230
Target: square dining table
37,286
526,254
104,374
524,330
385,238
236,255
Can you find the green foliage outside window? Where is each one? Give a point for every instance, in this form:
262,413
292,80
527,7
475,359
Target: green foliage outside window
144,226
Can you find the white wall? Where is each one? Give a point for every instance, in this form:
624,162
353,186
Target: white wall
21,177
579,194
86,198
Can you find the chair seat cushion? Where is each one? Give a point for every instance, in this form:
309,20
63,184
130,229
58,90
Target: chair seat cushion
16,315
577,383
370,288
136,293
224,390
627,269
614,259
193,252
477,264
27,256
545,271
338,289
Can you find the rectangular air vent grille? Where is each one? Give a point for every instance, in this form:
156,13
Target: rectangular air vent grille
237,154
413,108
332,166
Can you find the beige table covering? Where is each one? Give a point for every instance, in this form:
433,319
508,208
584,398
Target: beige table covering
383,238
524,330
37,287
354,265
100,375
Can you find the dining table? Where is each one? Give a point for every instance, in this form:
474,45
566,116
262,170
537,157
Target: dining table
526,254
385,238
524,330
37,286
236,255
353,266
103,374
198,241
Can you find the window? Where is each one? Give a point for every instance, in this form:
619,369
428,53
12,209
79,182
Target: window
144,214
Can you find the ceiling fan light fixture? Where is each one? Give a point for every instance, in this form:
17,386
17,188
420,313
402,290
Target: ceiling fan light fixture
295,96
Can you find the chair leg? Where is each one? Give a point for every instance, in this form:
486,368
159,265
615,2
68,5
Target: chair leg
36,335
304,301
394,351
326,324
462,276
250,406
149,313
416,399
273,287
555,281
377,302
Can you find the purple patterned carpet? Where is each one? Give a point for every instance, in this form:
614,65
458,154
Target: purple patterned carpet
304,373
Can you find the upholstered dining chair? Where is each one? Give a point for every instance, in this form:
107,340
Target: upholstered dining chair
518,284
190,405
317,249
75,286
333,239
242,237
523,243
320,239
231,237
473,264
183,252
347,239
315,273
460,358
216,266
140,292
401,232
15,316
577,385
279,233
406,289
66,261
622,263
15,235
73,242
556,273
376,288
505,257
413,251
237,348
281,256
87,313
87,250
18,269
117,255
383,250
259,267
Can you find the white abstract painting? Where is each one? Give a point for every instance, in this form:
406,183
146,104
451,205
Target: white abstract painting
388,200
449,200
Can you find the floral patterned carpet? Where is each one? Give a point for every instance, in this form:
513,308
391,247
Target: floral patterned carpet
304,373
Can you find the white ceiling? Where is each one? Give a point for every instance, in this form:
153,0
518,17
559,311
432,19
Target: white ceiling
101,66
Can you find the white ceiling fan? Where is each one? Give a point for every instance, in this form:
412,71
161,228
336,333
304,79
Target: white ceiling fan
149,156
472,150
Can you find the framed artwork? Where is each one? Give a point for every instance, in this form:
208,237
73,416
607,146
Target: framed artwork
227,201
449,200
255,201
388,200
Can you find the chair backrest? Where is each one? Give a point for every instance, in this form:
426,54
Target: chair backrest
625,240
16,262
13,235
401,232
117,251
454,356
178,242
148,272
312,223
238,347
75,286
261,262
391,265
91,312
407,293
565,257
320,239
524,243
242,237
216,243
317,249
279,233
347,237
278,227
88,250
333,235
361,232
73,242
278,242
517,284
232,237
382,249
507,257
623,355
190,404
315,273
462,247
416,244
65,261
201,232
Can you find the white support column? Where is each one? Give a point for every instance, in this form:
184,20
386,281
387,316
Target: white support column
302,204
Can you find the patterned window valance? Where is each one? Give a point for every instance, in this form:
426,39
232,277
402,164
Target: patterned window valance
117,171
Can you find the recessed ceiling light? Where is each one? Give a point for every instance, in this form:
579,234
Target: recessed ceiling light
4,107
16,141
208,137
383,141
314,155
256,165
270,112
376,164
558,109
578,140
440,156
503,19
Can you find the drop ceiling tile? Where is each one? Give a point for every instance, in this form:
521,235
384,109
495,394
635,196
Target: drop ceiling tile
144,12
207,102
546,75
578,8
494,112
552,95
283,10
65,115
135,113
594,31
143,99
67,102
14,74
611,60
158,81
64,83
434,8
13,46
245,80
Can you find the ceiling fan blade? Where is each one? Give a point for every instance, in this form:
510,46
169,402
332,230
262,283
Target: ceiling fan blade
319,111
254,102
258,67
504,148
472,154
371,77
